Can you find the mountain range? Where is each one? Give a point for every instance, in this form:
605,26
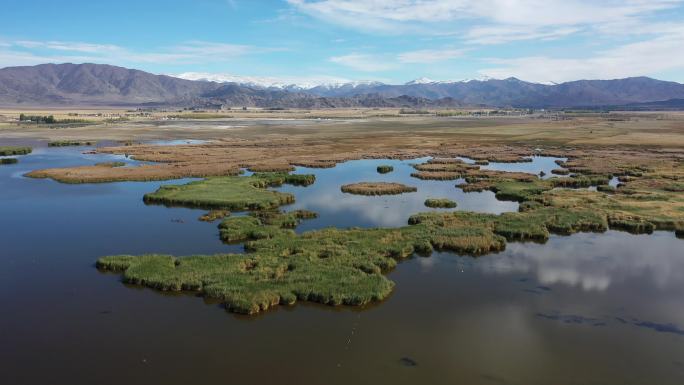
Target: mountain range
105,85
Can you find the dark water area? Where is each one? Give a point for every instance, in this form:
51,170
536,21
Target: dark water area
581,309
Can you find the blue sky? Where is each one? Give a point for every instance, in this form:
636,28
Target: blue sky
311,41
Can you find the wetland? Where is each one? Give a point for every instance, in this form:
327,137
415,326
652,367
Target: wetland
509,265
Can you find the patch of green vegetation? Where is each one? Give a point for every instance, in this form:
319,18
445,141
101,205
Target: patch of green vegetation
214,215
14,150
440,203
67,143
238,229
581,181
605,188
333,266
9,160
384,169
519,191
675,187
639,211
632,225
261,224
531,225
111,164
47,119
230,192
37,118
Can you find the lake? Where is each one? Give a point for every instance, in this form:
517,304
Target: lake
581,309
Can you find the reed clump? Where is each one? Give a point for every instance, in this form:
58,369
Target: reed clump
581,181
560,171
634,225
384,169
605,188
67,143
440,203
214,215
261,224
14,150
111,164
229,193
436,175
377,188
8,161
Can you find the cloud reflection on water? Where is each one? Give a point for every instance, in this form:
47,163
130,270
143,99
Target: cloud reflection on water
593,262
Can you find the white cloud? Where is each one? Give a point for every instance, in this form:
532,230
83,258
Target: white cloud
647,57
531,12
483,21
505,34
425,56
68,46
30,52
363,62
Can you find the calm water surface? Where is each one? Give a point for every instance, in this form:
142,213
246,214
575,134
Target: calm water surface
585,309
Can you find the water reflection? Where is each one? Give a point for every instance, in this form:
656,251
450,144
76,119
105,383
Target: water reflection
346,210
593,262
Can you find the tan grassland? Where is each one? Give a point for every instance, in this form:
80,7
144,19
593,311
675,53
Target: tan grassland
271,141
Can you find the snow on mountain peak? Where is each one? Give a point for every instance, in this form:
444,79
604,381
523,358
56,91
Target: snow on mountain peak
305,83
421,80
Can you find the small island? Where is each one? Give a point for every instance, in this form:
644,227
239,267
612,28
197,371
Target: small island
377,188
385,168
443,203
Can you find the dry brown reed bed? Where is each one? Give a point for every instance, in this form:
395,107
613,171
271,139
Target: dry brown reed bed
377,188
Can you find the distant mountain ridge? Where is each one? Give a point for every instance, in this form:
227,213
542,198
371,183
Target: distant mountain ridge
101,84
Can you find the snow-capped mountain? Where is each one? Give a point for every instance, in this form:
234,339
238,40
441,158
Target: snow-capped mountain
290,84
84,84
422,80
